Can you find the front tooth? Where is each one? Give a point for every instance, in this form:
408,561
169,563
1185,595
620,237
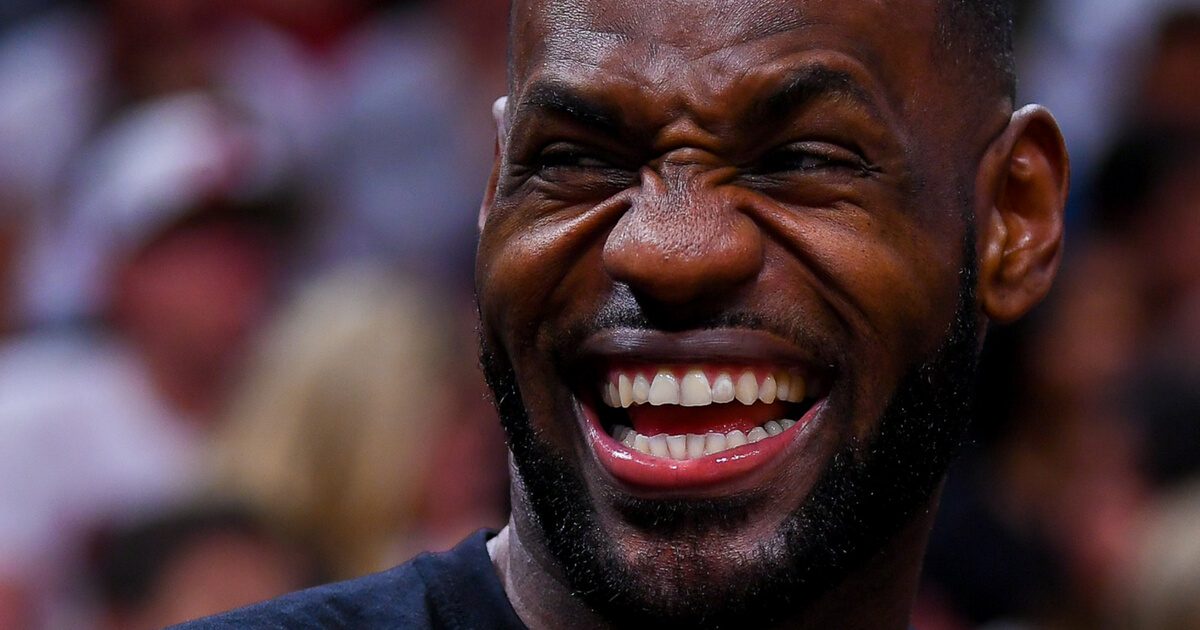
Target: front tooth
735,438
757,434
611,397
658,445
787,424
694,391
640,390
695,446
624,391
664,390
722,389
798,389
766,391
677,446
772,428
641,443
783,386
714,443
747,389
619,432
630,439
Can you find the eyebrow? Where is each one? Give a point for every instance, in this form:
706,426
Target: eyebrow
555,98
799,88
804,86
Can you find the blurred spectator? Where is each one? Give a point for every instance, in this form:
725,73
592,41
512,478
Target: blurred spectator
14,226
1041,524
337,430
159,47
1169,92
176,241
14,11
1148,222
1164,584
68,78
1103,66
468,486
146,140
380,105
383,108
190,562
174,238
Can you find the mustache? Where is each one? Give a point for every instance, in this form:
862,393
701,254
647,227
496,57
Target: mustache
624,311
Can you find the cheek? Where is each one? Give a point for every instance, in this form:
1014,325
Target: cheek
537,277
890,282
885,290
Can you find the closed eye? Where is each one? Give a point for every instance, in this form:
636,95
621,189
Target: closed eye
809,158
570,156
578,170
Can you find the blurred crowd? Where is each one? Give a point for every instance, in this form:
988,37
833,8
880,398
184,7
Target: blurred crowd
236,326
237,346
1077,505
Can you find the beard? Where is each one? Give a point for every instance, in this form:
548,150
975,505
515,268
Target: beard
871,490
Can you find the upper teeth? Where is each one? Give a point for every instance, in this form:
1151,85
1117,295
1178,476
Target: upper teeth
694,388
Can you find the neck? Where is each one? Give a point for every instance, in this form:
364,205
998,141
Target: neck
878,596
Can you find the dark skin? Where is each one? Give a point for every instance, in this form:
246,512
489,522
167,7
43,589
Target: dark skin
803,162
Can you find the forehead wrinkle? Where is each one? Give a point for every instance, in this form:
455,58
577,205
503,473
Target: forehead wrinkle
560,33
654,53
566,26
726,24
585,43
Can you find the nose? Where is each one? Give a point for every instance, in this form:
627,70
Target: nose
684,239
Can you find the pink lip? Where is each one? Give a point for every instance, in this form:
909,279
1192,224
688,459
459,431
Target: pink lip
639,470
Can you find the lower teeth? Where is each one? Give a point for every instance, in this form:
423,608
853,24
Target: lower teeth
695,446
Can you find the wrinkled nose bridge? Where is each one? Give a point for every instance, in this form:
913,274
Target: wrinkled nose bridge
684,235
680,193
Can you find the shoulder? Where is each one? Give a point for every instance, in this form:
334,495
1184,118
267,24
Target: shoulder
394,598
455,589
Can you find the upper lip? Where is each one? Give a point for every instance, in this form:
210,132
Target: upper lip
718,345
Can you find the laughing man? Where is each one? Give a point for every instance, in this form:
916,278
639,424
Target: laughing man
737,258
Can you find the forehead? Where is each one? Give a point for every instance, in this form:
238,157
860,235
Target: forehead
698,50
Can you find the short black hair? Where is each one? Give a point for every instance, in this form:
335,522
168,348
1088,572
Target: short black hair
978,36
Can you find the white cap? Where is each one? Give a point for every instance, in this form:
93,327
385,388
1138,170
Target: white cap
149,169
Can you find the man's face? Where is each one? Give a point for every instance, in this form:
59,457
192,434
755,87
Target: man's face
696,203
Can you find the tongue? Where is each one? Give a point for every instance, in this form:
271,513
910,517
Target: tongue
677,420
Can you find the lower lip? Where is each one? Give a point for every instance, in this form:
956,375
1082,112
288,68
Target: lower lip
638,469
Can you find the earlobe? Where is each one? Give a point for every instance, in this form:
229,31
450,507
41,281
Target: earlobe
499,116
1021,196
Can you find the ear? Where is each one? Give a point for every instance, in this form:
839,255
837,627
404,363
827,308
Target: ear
1022,193
489,195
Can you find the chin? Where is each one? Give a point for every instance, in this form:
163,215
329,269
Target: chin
735,537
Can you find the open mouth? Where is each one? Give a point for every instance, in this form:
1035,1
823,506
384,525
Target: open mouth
696,410
686,413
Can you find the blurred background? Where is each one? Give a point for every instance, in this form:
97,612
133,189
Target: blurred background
237,347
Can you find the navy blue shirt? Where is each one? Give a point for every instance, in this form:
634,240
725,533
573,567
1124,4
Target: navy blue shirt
455,590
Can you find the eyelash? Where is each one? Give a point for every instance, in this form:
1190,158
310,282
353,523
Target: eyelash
792,159
797,158
570,157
